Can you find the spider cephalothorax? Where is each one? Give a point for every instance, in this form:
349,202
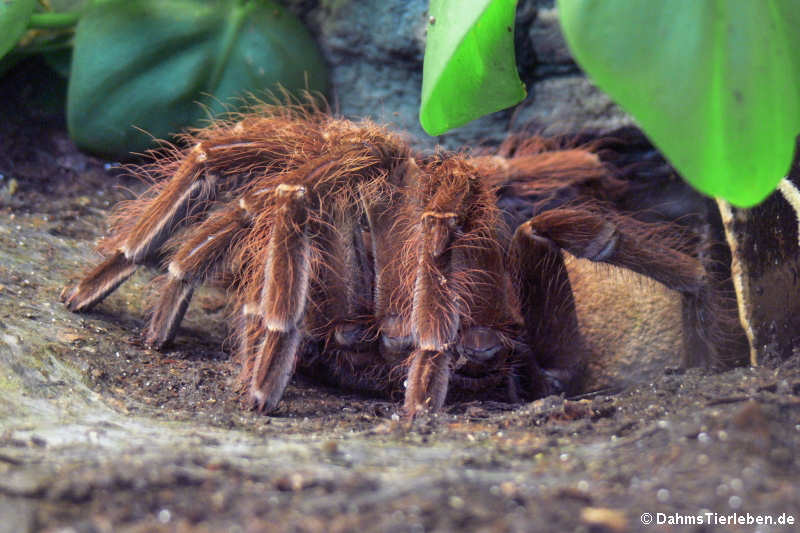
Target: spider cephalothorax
352,257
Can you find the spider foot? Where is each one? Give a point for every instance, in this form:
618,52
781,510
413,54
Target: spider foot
428,378
98,283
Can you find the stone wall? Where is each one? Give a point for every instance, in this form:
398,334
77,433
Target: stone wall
375,50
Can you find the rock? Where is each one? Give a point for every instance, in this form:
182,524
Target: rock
375,50
18,515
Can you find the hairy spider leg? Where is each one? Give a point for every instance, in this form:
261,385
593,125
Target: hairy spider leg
435,316
658,251
283,298
553,353
448,207
382,201
186,195
199,255
285,281
427,381
157,221
544,172
98,283
313,229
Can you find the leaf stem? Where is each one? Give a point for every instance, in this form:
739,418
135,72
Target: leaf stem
233,26
54,21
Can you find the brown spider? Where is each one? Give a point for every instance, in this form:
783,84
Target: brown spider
354,258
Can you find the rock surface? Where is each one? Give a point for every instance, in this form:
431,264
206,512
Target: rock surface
375,49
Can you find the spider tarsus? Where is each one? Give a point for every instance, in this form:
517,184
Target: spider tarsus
175,295
427,382
98,283
273,368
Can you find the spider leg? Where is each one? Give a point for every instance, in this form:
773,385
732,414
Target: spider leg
427,381
198,257
189,185
98,283
303,222
654,250
283,299
552,338
455,225
435,316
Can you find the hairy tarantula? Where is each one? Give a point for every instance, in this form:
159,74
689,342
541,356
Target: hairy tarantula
350,256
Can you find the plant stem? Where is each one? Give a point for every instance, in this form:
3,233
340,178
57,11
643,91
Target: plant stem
54,21
233,26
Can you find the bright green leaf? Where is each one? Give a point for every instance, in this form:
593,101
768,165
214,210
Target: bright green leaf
469,68
14,16
146,65
714,83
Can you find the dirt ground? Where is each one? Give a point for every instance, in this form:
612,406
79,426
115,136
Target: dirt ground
99,434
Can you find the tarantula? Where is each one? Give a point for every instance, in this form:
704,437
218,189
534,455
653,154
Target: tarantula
350,256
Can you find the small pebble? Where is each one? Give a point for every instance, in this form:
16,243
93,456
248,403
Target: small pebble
508,489
330,447
612,520
456,502
735,502
164,516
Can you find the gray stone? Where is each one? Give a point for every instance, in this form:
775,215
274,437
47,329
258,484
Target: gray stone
16,515
375,50
547,39
567,105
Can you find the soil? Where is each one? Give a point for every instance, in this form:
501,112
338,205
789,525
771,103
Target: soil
98,433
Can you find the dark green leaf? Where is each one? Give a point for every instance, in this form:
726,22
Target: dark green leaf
469,66
146,64
715,84
14,16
